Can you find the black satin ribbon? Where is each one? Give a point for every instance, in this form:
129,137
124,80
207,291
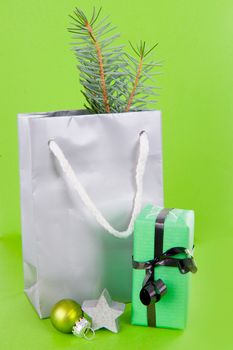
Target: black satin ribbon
153,290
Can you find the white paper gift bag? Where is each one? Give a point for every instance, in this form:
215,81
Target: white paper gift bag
83,179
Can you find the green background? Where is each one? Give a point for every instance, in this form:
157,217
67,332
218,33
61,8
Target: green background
38,73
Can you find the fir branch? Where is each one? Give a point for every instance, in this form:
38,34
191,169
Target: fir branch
141,52
100,63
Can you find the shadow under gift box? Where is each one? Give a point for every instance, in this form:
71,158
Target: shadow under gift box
171,310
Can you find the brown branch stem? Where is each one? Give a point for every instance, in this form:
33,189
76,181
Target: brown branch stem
101,65
134,86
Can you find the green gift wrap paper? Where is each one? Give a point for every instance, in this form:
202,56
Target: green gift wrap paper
177,231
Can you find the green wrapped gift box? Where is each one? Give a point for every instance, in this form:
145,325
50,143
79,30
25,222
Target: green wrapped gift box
163,242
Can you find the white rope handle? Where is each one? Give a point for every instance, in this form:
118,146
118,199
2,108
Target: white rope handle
140,169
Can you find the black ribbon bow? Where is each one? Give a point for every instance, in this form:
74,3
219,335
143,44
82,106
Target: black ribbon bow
153,290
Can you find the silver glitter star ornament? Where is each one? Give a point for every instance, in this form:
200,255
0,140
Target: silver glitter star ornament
104,312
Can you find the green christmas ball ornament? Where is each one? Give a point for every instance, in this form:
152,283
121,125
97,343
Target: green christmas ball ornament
65,314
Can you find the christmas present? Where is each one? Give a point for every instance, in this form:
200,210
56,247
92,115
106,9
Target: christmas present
84,178
162,260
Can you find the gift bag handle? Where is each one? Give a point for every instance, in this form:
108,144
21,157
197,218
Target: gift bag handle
74,181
